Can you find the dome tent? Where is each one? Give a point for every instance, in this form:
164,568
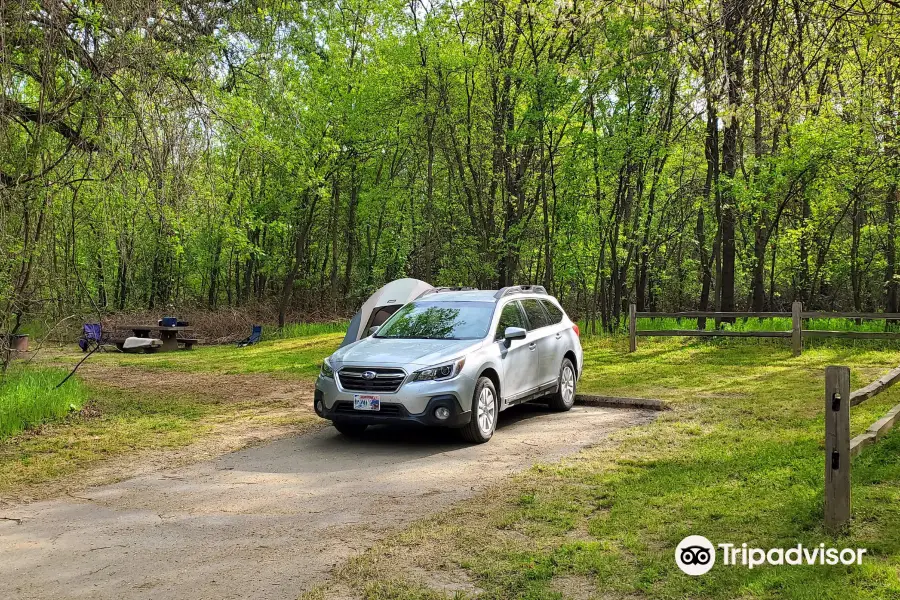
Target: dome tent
382,304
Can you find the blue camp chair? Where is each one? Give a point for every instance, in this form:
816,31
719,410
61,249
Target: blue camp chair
254,338
91,336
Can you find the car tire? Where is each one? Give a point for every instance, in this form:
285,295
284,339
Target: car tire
564,397
485,409
350,429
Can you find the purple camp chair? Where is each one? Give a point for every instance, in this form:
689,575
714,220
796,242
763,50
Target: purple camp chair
92,336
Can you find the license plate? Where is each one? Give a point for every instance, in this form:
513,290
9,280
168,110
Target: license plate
366,402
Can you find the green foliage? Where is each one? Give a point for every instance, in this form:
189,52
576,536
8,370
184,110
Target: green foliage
308,152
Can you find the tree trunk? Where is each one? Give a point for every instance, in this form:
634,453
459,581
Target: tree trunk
735,13
333,231
351,231
804,287
855,274
301,235
710,186
757,284
214,274
890,253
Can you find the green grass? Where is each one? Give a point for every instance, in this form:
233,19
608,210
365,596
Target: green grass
29,398
739,459
122,423
296,330
296,357
772,324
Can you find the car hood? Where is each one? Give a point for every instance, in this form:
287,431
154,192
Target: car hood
375,352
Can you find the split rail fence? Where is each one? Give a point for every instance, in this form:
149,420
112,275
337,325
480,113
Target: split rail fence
839,448
796,333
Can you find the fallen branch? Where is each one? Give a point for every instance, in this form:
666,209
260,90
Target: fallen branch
86,356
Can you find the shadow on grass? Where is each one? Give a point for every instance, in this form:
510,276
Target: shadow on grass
748,470
768,494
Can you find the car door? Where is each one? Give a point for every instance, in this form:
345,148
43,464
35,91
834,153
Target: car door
540,332
557,340
518,357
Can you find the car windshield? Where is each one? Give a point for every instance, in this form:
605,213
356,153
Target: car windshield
434,320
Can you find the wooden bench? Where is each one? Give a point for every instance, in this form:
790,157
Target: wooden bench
188,342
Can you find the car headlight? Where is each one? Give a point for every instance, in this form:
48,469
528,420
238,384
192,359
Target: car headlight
440,372
327,371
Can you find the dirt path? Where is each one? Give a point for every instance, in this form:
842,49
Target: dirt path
269,521
218,387
250,409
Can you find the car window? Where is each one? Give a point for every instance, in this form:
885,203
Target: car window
537,318
510,317
556,314
439,320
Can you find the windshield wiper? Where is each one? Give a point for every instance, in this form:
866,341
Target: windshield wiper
412,337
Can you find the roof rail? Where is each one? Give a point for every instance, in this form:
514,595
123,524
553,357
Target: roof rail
438,290
518,289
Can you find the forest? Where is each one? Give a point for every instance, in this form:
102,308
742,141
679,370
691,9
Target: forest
678,154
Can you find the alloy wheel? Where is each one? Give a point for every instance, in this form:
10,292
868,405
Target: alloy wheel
486,411
568,385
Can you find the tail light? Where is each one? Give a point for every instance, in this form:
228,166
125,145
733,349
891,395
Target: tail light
576,330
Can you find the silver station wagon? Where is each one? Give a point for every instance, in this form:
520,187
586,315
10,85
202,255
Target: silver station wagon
452,358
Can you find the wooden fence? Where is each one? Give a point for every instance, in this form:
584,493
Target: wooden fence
796,333
839,448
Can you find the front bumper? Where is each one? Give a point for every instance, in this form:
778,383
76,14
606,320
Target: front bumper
392,412
412,402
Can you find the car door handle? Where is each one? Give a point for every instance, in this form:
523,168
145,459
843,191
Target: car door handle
532,346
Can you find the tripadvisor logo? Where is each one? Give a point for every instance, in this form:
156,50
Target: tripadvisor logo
696,555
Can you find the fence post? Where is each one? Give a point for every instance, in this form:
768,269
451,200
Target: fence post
797,328
837,447
632,327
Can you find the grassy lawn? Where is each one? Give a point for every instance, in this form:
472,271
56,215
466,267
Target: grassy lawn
739,459
118,422
291,358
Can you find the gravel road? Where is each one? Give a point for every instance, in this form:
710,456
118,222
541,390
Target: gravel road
269,521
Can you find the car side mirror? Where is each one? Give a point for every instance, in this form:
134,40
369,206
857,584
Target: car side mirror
514,333
373,330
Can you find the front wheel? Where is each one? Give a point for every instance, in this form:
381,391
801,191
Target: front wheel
564,398
485,408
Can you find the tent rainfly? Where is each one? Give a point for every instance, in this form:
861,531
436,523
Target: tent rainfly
382,304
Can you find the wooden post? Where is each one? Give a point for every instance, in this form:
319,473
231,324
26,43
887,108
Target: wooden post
837,447
632,327
796,328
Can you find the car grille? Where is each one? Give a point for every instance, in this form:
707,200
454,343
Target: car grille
387,410
385,381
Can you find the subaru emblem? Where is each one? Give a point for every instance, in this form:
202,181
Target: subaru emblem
369,375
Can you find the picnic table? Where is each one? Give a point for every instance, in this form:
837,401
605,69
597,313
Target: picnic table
170,336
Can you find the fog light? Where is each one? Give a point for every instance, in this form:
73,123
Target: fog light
442,413
320,407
